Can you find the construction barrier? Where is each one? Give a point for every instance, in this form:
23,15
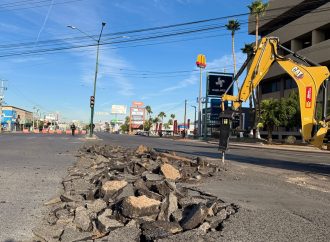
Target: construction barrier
76,132
36,131
51,131
25,131
68,131
83,131
59,131
45,131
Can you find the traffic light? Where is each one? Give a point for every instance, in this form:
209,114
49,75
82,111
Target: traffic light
92,101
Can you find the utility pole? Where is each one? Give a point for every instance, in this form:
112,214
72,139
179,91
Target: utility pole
185,117
2,97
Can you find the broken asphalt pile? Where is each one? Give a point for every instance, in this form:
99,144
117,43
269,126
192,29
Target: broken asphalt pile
117,194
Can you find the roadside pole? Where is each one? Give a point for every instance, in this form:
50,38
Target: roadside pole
2,96
201,63
185,117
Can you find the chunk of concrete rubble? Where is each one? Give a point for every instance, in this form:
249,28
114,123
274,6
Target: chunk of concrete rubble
125,234
159,229
47,232
96,206
204,227
187,201
70,198
193,216
150,194
53,201
215,221
82,219
153,177
71,234
106,224
172,205
195,235
177,215
170,172
135,207
110,188
141,149
126,192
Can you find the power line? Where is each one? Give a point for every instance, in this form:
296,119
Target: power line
199,29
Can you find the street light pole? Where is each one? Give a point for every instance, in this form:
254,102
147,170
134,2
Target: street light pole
200,103
96,72
95,79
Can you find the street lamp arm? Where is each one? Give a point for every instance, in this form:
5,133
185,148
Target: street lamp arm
91,37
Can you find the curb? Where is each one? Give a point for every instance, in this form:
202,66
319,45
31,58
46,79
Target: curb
276,148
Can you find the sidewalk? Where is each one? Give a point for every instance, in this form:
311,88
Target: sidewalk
259,145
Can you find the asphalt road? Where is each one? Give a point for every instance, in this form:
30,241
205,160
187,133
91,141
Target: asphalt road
283,195
31,168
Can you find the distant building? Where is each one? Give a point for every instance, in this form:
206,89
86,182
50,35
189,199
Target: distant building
15,118
302,26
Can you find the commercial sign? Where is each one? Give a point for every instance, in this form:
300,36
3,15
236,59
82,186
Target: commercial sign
201,61
137,117
118,109
218,83
137,104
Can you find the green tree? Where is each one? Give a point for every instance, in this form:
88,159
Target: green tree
155,120
257,8
233,26
247,49
270,116
162,115
293,102
125,127
279,112
166,126
170,122
149,111
148,124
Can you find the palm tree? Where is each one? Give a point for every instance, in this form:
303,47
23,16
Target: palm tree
172,116
162,115
155,120
257,8
149,111
247,49
233,26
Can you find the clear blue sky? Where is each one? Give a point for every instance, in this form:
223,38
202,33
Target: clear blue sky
62,81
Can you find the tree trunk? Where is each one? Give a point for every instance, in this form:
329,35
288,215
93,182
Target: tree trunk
270,135
257,29
255,97
234,56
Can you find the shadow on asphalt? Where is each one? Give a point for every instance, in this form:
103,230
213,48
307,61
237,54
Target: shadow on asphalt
274,163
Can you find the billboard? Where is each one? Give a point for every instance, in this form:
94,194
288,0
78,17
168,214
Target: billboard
118,109
218,83
137,117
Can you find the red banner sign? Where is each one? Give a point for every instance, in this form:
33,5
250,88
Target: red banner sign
309,92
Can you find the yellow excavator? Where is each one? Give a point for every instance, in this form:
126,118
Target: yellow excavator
309,76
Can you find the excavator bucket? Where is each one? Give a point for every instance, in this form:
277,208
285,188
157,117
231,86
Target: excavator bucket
317,140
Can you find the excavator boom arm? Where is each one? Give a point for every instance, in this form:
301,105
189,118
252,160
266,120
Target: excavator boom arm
308,78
